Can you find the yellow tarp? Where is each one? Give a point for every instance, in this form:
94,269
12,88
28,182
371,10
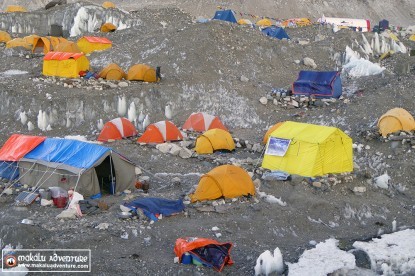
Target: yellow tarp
224,181
394,120
269,131
4,37
12,8
214,139
313,151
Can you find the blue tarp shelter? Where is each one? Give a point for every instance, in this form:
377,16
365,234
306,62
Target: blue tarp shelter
276,32
225,15
67,163
326,84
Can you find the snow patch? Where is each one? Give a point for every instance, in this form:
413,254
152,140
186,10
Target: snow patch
77,137
325,258
391,254
268,263
13,72
271,199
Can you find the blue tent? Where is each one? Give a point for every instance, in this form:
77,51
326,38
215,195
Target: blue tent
275,32
66,163
320,84
226,15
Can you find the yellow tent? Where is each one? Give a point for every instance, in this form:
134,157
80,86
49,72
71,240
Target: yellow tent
67,47
142,72
4,37
12,8
112,72
55,41
269,131
224,181
394,120
311,150
65,65
244,22
18,42
264,22
41,44
214,139
89,44
108,4
31,39
412,37
108,27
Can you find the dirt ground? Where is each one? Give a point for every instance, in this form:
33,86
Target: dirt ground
202,65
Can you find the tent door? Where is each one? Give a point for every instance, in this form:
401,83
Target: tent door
106,175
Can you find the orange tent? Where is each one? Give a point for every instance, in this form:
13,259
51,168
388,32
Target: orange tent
67,47
202,121
41,44
394,120
31,39
4,37
19,145
142,72
112,72
108,4
17,43
14,8
269,131
108,27
117,129
161,132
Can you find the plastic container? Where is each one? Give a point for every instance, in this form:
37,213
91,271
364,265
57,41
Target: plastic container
60,201
187,258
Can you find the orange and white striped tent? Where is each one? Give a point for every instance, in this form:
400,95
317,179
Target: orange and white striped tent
202,121
160,132
117,129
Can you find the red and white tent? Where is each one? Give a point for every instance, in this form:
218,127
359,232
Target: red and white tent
161,132
202,121
117,129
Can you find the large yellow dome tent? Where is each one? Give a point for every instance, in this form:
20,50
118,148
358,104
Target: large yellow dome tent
227,181
112,72
14,8
394,120
89,44
214,139
4,37
308,150
55,41
142,72
108,5
264,22
67,47
108,27
17,43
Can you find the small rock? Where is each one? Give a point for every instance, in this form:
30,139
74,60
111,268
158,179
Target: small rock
124,236
138,171
218,235
175,149
309,62
297,61
122,84
176,180
127,192
215,228
263,100
303,42
244,79
359,189
176,260
102,226
185,153
317,184
275,102
67,214
238,145
164,148
8,191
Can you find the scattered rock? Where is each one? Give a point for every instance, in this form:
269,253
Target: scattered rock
263,100
244,79
185,153
123,84
317,184
359,189
309,62
164,148
102,226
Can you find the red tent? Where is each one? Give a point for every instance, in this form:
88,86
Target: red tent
202,121
161,132
117,129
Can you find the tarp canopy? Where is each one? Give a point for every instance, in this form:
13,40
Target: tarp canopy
152,207
325,84
225,15
19,145
308,150
72,154
275,32
394,120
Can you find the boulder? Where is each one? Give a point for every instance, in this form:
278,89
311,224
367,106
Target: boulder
185,153
309,62
164,148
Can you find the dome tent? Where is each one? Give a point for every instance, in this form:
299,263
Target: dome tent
142,72
227,181
112,72
202,121
117,129
394,120
160,132
214,139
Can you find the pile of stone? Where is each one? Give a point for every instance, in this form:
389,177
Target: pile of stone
290,101
88,84
180,150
